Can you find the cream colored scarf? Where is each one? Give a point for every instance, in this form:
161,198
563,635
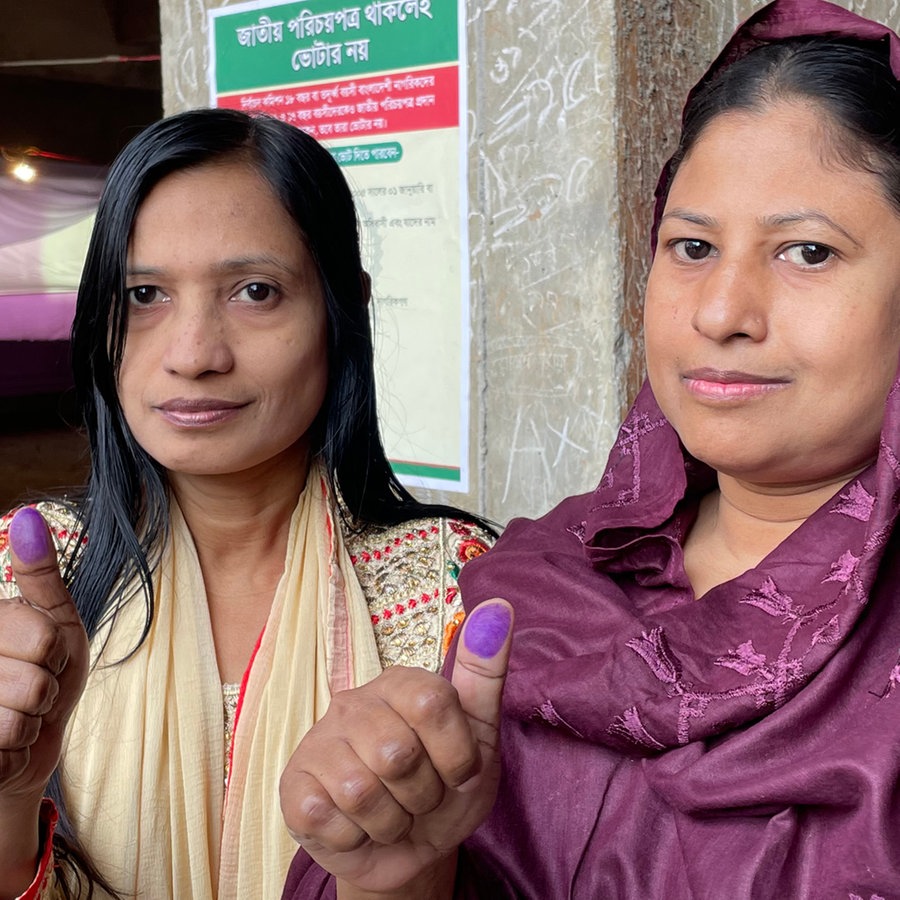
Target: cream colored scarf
143,761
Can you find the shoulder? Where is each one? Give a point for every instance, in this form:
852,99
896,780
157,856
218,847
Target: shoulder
408,573
419,545
65,527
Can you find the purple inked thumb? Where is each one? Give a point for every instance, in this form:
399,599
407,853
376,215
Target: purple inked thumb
35,564
482,656
29,537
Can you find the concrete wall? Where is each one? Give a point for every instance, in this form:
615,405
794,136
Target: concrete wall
573,106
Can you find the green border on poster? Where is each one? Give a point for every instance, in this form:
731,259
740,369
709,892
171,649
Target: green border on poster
422,470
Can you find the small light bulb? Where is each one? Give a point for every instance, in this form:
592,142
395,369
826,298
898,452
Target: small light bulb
24,171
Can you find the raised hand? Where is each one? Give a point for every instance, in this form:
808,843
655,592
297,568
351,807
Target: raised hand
400,771
43,662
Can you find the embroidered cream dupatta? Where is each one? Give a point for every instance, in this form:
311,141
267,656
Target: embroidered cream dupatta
144,758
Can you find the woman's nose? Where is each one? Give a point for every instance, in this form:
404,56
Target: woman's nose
198,341
732,302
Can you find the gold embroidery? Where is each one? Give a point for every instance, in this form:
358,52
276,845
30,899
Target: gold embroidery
408,574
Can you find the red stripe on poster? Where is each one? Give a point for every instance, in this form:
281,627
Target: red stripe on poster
420,100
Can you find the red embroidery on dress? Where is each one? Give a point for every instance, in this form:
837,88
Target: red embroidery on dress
470,549
459,528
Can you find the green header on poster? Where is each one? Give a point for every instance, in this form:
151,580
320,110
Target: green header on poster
330,40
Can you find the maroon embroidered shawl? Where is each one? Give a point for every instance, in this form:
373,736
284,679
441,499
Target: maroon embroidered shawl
743,746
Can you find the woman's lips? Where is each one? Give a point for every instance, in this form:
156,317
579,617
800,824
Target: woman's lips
718,384
198,413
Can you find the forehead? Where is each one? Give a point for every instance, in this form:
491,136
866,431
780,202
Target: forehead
781,155
225,203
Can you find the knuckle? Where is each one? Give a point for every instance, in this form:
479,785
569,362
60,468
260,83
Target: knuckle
314,811
27,688
399,758
40,693
46,641
315,818
435,703
361,794
425,800
17,730
34,637
47,567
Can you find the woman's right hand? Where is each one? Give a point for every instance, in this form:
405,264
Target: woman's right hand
44,660
399,772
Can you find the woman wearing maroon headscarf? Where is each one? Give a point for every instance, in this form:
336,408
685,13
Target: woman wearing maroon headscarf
703,698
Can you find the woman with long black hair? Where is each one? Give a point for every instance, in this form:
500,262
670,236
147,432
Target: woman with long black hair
242,549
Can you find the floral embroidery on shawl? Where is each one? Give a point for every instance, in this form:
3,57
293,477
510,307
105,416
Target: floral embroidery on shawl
893,681
772,659
629,449
855,502
630,727
653,648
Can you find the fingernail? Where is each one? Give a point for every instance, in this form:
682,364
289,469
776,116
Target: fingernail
28,536
486,629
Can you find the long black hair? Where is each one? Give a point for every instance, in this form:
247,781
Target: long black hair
124,508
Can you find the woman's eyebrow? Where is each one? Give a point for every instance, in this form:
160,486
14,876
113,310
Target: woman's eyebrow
141,271
777,220
235,264
800,217
694,218
240,263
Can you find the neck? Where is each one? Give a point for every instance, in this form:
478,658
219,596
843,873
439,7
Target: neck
240,525
741,523
243,513
773,509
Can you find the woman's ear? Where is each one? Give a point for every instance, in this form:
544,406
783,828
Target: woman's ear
365,280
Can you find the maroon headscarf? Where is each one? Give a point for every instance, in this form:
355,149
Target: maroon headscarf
745,745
